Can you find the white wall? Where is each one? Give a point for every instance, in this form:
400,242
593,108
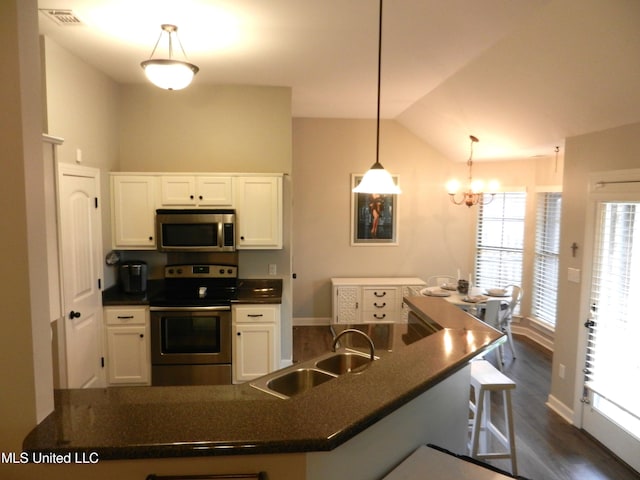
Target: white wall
614,149
222,128
82,106
326,153
435,236
25,346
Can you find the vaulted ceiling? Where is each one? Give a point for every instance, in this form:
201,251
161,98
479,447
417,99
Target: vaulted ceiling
522,75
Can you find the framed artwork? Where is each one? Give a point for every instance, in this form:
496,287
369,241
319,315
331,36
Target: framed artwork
374,217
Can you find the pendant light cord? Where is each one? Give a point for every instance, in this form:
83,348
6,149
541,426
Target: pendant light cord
379,82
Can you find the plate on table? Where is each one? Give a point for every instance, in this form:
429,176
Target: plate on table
449,286
434,292
497,292
474,298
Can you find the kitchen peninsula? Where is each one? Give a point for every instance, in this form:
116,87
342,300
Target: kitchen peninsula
356,426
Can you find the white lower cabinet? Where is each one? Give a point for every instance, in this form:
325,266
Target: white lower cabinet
256,341
128,359
372,300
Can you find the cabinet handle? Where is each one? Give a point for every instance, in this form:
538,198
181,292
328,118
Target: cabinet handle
125,317
379,295
384,304
73,314
238,334
200,197
150,239
191,197
254,315
379,317
142,335
241,238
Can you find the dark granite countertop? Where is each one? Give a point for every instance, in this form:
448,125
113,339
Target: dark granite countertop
253,290
145,422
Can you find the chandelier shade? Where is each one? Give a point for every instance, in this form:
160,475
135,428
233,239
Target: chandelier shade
377,179
169,74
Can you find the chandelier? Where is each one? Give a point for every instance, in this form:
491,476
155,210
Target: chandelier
474,194
168,73
377,179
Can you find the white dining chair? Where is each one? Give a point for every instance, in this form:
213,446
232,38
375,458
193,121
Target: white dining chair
505,315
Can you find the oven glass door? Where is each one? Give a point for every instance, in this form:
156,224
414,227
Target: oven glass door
191,337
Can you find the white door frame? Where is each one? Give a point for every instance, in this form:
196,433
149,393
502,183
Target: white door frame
616,185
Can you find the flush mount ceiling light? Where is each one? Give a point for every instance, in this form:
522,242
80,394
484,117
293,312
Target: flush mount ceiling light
474,194
377,179
168,73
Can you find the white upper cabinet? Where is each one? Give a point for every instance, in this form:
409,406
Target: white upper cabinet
133,211
196,191
257,200
258,212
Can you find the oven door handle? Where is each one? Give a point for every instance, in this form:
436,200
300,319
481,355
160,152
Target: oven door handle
217,308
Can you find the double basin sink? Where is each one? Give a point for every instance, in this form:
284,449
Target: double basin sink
301,377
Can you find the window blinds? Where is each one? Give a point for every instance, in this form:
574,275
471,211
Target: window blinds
500,240
546,258
613,364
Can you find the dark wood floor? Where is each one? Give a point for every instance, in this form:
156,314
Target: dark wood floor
548,448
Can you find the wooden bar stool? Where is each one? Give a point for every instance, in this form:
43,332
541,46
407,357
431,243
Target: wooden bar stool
485,378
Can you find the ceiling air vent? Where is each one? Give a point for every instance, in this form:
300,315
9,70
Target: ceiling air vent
61,17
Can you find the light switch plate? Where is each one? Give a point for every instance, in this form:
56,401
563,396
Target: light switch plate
573,275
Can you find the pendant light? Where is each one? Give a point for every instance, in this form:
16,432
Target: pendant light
168,73
377,179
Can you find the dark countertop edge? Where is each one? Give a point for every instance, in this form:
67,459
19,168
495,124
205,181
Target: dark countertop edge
288,445
114,297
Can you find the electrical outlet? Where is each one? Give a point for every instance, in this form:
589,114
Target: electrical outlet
561,371
272,269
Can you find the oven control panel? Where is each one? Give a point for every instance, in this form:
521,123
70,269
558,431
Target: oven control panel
201,271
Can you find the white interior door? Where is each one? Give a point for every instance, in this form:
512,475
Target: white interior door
611,411
81,248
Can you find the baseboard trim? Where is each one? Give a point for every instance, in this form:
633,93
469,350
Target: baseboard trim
560,408
311,321
532,335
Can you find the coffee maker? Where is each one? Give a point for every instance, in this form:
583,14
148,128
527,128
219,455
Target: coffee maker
133,277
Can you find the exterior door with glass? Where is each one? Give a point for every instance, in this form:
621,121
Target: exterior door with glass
611,410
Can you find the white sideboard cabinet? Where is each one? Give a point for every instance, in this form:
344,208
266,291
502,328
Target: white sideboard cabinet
372,300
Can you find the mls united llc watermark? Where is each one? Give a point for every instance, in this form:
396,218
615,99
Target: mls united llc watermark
50,457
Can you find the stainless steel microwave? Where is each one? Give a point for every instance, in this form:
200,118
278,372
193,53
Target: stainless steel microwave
195,230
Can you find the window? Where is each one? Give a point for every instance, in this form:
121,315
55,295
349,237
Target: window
500,241
546,258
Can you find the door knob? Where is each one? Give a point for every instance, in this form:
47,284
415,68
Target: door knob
73,314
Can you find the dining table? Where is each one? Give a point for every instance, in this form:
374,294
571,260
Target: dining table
473,301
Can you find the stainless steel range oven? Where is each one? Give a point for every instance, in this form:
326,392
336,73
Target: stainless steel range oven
191,326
